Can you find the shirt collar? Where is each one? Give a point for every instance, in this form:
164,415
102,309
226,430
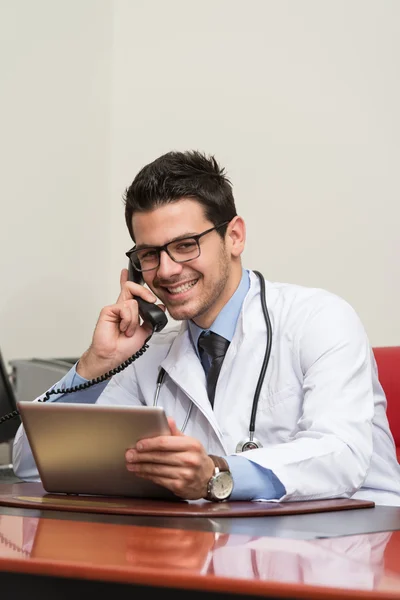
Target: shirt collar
225,323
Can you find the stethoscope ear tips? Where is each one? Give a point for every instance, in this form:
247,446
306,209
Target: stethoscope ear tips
248,444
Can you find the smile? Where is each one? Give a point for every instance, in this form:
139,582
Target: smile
182,288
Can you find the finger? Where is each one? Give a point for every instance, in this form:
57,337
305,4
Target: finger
168,443
173,427
172,459
130,320
123,278
127,317
131,290
151,471
116,313
127,322
132,306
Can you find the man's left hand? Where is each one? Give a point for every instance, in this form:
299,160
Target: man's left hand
177,462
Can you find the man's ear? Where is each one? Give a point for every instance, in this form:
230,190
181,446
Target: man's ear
236,236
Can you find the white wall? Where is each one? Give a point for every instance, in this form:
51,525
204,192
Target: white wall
55,61
299,100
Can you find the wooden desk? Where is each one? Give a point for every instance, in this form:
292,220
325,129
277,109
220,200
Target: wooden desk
70,555
183,559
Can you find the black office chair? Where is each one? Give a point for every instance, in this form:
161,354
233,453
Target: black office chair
8,404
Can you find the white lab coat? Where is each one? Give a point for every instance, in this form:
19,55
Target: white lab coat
321,415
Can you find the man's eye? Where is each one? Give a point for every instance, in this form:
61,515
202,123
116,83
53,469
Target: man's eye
186,246
148,255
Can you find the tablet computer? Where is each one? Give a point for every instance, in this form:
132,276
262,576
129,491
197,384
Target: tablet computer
80,448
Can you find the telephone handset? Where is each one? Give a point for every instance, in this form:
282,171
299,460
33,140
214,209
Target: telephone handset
148,311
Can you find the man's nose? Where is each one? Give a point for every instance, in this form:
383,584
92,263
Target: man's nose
167,267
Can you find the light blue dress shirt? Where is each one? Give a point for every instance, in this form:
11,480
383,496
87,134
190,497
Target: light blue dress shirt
264,484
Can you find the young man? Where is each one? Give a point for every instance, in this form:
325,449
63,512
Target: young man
321,429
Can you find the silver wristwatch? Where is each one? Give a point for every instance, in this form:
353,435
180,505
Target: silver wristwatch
220,485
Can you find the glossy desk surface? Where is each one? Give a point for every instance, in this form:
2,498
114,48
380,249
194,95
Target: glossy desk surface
365,565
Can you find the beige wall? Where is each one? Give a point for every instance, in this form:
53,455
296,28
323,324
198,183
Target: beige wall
55,64
299,100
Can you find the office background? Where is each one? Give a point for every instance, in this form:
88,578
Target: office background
299,100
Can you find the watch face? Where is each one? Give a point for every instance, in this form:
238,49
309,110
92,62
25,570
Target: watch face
222,485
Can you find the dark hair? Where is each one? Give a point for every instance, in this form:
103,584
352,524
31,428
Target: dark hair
178,175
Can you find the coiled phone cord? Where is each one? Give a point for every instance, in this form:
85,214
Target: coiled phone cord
84,386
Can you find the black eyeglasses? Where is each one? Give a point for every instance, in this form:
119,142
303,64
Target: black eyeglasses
180,251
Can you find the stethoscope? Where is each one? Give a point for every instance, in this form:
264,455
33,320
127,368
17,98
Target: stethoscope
251,442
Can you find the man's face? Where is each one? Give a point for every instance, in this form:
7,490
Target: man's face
193,290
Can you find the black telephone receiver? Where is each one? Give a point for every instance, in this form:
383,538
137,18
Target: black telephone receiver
148,311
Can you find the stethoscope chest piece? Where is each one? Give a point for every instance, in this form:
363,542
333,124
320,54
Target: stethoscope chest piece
248,444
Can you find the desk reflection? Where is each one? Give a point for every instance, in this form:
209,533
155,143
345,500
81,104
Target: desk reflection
349,562
352,562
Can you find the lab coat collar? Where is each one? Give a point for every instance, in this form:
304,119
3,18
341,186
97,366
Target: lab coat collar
185,369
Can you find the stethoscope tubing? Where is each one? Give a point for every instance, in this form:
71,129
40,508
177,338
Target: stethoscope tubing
160,379
252,425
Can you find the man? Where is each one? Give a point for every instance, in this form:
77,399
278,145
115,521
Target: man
321,426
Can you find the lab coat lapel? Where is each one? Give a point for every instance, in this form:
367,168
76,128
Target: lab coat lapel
185,369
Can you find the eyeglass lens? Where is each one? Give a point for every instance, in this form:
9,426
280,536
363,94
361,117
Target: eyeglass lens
180,251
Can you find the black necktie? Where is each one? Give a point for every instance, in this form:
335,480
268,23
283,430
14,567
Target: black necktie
215,346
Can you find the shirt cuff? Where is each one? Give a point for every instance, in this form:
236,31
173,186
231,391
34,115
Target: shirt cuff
253,482
73,379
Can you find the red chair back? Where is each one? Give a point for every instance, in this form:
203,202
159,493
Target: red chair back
388,362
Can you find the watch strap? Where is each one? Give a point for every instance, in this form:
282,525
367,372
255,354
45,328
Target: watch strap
219,462
221,466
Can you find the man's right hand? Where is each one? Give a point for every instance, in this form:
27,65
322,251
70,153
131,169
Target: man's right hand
118,333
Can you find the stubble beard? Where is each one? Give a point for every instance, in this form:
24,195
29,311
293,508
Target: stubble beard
209,297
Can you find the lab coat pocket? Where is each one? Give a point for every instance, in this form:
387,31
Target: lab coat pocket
269,399
278,415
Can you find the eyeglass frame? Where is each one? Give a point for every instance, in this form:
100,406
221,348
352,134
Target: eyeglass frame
164,248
